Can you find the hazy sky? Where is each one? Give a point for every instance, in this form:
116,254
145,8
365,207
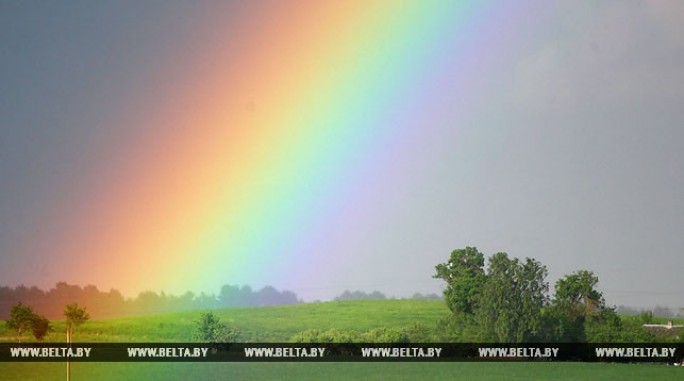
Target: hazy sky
577,161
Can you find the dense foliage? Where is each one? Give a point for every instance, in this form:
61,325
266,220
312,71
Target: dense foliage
510,302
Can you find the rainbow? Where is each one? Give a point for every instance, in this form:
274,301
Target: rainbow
273,132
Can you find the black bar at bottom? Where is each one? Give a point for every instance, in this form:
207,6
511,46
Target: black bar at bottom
366,352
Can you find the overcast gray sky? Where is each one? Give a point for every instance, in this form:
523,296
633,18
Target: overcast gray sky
578,161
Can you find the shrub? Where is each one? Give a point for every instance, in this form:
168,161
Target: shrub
329,336
209,329
40,327
419,333
385,336
308,336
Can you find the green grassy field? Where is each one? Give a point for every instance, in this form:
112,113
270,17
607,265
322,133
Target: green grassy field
277,324
257,324
342,371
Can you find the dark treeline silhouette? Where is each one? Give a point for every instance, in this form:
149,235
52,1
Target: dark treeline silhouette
656,311
360,295
419,296
101,304
377,295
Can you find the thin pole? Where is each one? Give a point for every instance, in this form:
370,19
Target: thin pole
68,346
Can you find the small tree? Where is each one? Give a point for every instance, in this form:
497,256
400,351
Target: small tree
21,319
75,316
209,329
40,327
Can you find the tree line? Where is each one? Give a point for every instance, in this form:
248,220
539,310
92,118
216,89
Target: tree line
509,302
377,295
108,304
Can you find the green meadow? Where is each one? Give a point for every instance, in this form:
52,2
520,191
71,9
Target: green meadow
342,371
257,324
278,324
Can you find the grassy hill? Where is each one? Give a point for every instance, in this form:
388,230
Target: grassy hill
262,324
258,324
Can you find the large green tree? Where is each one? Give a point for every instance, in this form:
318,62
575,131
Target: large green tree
582,316
577,296
534,290
503,304
464,276
512,300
